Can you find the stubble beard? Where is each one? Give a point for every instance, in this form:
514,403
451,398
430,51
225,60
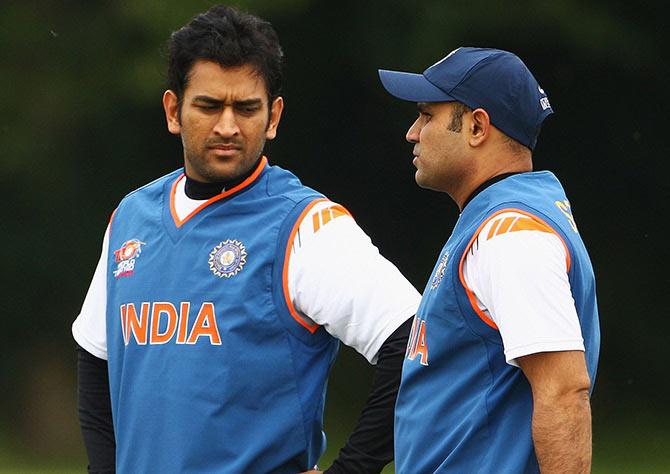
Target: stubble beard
208,171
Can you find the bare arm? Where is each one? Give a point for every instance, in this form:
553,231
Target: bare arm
561,410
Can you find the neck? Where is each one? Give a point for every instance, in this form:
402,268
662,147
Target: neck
492,174
199,190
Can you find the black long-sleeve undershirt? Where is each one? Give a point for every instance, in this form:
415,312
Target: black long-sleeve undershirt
95,413
370,445
368,450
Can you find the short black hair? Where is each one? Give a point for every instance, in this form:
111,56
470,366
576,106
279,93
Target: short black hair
230,38
456,124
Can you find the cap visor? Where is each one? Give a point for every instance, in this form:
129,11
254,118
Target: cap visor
412,87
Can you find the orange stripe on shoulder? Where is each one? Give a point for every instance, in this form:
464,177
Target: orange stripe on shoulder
327,214
500,226
526,223
494,227
287,256
504,225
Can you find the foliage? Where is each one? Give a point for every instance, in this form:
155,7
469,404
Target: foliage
80,88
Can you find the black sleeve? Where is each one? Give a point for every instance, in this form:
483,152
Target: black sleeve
95,413
370,446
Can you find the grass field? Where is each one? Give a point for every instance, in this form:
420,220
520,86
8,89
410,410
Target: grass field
623,448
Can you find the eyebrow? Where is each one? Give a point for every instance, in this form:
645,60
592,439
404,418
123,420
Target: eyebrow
237,103
422,106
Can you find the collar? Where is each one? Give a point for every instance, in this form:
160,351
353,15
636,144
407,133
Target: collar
488,183
201,191
229,191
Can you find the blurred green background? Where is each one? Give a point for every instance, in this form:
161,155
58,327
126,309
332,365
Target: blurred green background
80,87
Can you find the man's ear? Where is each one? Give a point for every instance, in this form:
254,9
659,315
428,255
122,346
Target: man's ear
171,107
479,127
276,109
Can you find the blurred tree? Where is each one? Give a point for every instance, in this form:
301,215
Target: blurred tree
80,88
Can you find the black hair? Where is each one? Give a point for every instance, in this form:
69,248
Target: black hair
230,38
456,124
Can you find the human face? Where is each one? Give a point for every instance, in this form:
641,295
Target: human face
224,120
440,154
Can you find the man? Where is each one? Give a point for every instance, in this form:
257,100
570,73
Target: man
503,351
215,311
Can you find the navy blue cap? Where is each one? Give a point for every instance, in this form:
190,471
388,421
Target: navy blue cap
492,79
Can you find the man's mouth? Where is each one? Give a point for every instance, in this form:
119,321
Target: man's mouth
224,149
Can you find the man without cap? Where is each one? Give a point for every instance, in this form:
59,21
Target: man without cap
503,350
215,312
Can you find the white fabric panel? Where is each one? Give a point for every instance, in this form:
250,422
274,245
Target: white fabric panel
89,328
338,278
520,282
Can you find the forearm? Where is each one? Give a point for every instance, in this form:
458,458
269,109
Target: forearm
562,433
370,446
95,413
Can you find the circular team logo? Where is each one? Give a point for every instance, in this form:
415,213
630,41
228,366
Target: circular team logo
130,249
228,258
439,272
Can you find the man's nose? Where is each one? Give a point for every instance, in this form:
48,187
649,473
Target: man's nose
412,135
226,126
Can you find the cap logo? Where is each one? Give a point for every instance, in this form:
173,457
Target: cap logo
540,90
544,102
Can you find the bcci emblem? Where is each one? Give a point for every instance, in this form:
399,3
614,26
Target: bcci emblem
125,257
228,258
439,272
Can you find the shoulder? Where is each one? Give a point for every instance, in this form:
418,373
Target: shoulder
318,215
283,183
515,226
515,240
511,220
155,186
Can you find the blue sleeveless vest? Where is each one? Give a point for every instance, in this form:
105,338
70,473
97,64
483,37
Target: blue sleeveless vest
209,371
461,407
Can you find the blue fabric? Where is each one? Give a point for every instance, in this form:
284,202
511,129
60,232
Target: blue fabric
467,410
247,395
493,79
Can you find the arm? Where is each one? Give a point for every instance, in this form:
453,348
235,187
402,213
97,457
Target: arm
95,413
561,410
338,279
370,445
519,278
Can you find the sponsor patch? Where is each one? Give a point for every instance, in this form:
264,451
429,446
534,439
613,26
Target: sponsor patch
439,272
564,207
228,258
126,256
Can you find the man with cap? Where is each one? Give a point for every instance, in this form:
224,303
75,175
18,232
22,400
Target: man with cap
503,351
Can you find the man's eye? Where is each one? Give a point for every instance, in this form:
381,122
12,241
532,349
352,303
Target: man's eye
249,110
207,107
